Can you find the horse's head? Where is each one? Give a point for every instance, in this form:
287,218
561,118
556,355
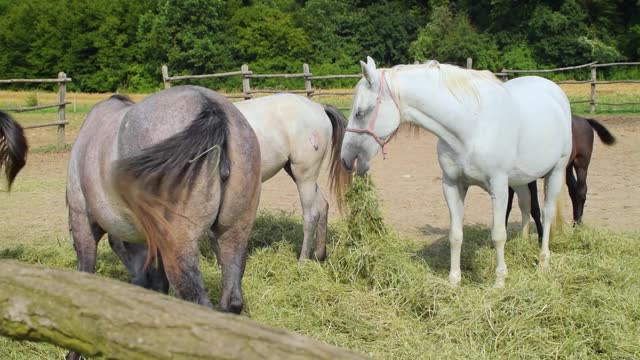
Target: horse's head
374,118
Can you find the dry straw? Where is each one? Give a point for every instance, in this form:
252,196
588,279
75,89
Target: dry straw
380,296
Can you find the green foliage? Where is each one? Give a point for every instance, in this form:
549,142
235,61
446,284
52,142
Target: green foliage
451,37
109,45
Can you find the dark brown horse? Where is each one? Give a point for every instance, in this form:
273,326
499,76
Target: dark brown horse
13,147
582,129
181,163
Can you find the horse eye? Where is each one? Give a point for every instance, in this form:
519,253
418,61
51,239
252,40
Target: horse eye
359,114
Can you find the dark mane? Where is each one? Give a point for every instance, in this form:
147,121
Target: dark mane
123,98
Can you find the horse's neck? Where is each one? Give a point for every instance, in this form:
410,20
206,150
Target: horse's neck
428,104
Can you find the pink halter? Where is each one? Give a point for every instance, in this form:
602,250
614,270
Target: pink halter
369,130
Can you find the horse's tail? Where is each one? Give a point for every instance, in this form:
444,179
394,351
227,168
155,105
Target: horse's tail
152,182
339,178
602,131
13,147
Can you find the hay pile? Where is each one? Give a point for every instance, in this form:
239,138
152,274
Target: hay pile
376,295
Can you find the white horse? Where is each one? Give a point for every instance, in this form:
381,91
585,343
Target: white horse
295,133
491,134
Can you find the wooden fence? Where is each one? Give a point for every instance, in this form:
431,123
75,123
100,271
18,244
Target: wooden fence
247,75
504,74
62,81
309,91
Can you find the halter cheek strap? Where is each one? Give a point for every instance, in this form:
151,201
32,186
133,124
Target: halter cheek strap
374,117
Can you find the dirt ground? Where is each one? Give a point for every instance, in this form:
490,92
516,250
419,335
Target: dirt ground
409,183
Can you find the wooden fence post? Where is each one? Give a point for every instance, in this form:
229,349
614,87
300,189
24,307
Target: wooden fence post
62,90
592,99
246,86
469,63
307,80
165,77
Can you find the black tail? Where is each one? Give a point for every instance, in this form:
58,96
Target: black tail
150,182
602,131
339,178
13,147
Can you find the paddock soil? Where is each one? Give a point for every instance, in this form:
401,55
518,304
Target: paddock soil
409,182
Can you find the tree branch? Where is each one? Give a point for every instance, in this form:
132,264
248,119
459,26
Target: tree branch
101,317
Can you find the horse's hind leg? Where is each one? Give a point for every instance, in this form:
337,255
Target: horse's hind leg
321,229
552,187
509,205
85,235
524,202
314,216
230,244
134,256
182,266
572,185
535,208
499,197
581,192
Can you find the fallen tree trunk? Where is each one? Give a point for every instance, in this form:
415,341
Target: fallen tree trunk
101,317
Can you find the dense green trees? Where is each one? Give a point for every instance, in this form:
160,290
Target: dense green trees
107,45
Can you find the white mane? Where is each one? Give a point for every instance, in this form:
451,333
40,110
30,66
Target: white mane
461,83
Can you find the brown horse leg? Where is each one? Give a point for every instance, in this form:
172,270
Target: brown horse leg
581,193
230,245
573,191
509,205
535,208
133,256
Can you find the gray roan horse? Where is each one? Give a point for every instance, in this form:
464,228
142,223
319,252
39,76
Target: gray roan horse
295,134
181,163
13,147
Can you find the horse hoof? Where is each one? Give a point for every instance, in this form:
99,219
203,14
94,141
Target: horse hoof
320,255
499,284
454,280
543,264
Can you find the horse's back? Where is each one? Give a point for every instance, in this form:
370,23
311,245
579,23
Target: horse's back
544,116
164,114
289,128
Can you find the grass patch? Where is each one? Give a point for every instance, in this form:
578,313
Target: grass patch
376,295
46,149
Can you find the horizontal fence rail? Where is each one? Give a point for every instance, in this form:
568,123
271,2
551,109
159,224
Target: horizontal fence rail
62,81
504,74
310,91
248,92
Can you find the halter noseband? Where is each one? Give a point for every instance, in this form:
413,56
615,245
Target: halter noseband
369,130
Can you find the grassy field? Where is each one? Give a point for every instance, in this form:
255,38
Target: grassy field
385,296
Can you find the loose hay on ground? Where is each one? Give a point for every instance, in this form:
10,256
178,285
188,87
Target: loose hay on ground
376,295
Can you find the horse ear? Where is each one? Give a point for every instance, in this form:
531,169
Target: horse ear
370,62
369,71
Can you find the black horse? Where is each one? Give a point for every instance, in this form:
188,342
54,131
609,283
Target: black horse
582,129
13,147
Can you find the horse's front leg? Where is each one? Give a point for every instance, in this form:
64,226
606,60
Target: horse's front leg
499,196
454,192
